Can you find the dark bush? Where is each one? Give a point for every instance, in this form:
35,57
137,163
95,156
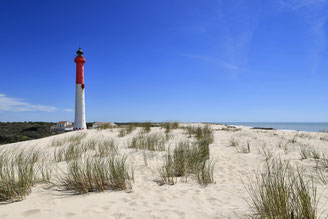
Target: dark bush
11,132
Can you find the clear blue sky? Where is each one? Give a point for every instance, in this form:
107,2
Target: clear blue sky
186,60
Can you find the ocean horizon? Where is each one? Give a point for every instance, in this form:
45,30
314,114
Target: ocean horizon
297,126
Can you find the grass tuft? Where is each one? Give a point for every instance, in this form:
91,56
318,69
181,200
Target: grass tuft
315,154
90,175
122,132
204,132
168,126
322,177
324,161
292,140
151,142
167,170
106,148
244,149
188,159
304,152
19,174
204,172
267,153
146,126
234,142
282,192
72,152
76,138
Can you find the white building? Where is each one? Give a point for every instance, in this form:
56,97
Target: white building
103,125
62,126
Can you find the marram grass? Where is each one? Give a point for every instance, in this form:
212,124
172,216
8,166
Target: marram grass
98,174
280,191
19,173
188,160
151,142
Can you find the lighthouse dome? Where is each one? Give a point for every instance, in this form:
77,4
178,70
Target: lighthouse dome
79,52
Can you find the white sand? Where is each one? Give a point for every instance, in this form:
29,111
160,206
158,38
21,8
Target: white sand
224,199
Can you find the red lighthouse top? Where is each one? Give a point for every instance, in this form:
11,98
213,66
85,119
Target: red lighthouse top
80,60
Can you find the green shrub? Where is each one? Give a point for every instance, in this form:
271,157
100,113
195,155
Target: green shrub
11,132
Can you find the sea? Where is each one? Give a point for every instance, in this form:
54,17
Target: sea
298,126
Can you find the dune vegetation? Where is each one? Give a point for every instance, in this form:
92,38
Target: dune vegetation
267,173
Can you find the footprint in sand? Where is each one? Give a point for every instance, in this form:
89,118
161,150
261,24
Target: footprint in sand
211,199
31,212
69,214
133,203
197,191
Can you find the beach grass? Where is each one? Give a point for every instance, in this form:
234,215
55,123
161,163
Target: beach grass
307,152
292,140
267,153
204,172
304,152
72,152
129,128
280,191
200,132
188,159
122,132
95,174
151,142
324,161
233,142
76,138
19,173
315,154
190,130
167,170
244,149
146,126
322,176
168,126
106,148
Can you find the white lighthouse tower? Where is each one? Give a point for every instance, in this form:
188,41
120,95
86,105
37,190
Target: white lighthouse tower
79,123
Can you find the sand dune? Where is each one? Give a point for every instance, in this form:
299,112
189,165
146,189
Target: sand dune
223,199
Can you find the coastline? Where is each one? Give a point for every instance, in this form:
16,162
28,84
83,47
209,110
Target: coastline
225,198
294,126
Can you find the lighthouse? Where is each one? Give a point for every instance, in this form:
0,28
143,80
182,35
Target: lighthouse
79,123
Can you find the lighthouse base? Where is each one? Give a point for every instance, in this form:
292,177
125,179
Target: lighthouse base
79,123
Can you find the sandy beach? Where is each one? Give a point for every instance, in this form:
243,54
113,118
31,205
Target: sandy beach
226,198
